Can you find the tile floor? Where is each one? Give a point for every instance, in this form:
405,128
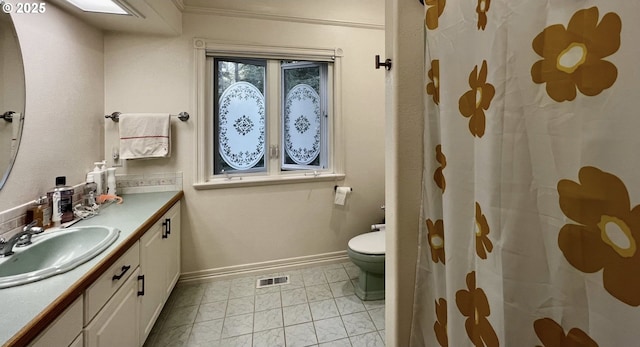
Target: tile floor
317,308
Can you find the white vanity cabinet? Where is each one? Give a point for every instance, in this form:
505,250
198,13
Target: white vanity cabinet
128,317
159,267
117,301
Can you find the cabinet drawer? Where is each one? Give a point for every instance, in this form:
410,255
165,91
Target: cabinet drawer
106,285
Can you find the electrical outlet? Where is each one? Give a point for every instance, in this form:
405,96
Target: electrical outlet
115,156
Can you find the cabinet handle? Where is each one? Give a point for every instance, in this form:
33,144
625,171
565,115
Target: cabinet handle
141,292
168,221
164,230
125,268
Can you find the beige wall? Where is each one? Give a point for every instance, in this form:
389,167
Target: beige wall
235,226
404,148
64,77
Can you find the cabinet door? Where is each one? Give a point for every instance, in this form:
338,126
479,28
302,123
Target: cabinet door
160,266
173,248
153,245
64,329
117,324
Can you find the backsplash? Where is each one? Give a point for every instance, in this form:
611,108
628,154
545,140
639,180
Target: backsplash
148,183
13,219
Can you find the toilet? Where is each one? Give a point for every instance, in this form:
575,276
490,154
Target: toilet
367,251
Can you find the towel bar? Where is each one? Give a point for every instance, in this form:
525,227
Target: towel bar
7,116
115,116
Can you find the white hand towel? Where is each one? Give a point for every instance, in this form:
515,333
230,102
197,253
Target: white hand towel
145,135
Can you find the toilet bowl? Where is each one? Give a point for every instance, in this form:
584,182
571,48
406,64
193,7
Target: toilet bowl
367,251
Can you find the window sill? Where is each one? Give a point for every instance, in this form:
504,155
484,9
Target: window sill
251,181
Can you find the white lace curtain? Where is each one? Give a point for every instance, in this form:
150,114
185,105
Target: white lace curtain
531,222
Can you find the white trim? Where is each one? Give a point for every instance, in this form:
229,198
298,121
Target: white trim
264,51
252,181
265,267
199,141
297,19
179,4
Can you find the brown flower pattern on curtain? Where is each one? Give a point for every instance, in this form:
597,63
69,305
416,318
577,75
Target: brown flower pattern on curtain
573,56
434,11
474,305
608,234
438,176
436,239
481,9
440,326
551,334
483,244
433,87
474,102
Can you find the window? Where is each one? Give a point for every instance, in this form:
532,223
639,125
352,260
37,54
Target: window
267,115
240,116
239,113
304,115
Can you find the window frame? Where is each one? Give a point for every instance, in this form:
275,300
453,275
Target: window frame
274,174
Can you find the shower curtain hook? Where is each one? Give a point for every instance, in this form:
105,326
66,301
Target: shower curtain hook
386,64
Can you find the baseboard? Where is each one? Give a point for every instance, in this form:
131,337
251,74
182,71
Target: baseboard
272,266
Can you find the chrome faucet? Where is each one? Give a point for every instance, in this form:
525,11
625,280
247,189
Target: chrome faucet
19,239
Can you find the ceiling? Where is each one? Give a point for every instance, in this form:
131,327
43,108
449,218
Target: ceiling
361,13
164,17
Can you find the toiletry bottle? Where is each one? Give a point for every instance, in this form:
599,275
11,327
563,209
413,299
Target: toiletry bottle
62,201
97,178
90,190
39,212
111,181
43,205
103,172
56,215
29,216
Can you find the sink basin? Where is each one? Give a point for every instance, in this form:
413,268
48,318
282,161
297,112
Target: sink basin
53,253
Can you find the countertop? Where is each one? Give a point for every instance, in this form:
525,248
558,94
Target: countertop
27,309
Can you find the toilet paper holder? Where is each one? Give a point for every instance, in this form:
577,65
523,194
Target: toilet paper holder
335,188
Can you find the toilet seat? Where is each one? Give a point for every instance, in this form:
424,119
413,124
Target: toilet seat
369,243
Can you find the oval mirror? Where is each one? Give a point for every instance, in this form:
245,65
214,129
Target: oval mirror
12,96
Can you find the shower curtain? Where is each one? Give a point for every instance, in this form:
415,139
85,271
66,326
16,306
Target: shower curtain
530,229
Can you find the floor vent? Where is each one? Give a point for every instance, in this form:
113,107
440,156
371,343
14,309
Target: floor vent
272,281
